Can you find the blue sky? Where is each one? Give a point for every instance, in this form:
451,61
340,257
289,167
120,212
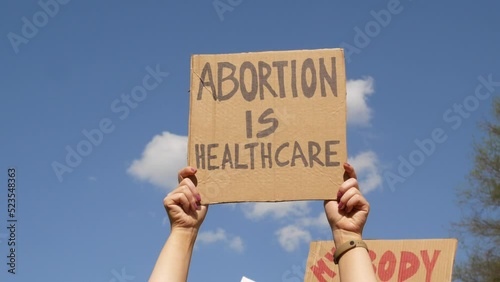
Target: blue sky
413,74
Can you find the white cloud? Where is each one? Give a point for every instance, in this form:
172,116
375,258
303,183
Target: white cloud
208,237
291,236
358,112
320,221
366,165
234,243
275,210
161,160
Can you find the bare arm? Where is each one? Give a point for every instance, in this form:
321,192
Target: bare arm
347,217
186,216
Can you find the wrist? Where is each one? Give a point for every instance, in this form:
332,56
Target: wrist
341,236
184,234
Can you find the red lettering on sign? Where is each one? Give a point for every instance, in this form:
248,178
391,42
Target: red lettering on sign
408,265
321,268
329,256
386,266
373,256
429,265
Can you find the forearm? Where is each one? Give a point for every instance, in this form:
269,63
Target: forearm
354,265
173,262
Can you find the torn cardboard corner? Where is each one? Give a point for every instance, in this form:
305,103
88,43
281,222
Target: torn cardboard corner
393,260
268,126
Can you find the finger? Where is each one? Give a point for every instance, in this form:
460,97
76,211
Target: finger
185,189
347,196
192,187
190,196
178,199
177,189
357,201
348,184
186,172
349,172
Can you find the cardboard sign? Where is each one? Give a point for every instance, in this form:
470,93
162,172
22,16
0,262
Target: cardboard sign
268,126
393,260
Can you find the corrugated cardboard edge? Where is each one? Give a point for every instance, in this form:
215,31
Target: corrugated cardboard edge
191,84
271,51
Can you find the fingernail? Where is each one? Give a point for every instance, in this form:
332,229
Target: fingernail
341,205
339,195
196,206
193,169
347,164
198,198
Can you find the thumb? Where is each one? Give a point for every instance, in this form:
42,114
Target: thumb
349,172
